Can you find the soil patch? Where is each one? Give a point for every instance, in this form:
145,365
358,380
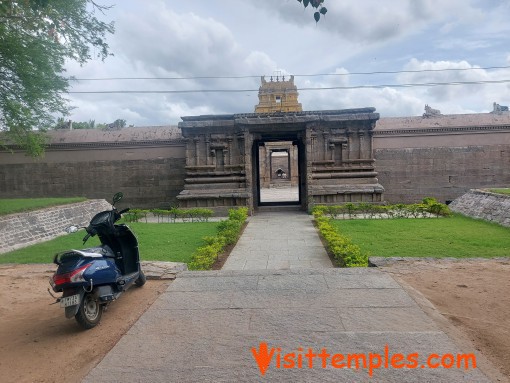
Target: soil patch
473,294
37,342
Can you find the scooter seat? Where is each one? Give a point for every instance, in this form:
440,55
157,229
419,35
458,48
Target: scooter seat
99,251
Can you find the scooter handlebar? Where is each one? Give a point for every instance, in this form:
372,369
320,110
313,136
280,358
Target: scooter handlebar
124,211
86,238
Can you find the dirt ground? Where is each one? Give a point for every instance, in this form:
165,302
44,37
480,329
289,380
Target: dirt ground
37,343
474,295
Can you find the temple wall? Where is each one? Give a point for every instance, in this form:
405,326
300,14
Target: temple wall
443,157
149,164
146,165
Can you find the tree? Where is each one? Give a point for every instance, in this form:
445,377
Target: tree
317,4
36,39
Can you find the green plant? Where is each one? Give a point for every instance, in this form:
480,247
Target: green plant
135,215
228,232
344,251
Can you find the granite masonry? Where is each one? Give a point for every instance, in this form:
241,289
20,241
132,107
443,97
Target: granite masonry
24,229
484,205
441,156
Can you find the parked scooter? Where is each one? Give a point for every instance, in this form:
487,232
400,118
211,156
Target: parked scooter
92,278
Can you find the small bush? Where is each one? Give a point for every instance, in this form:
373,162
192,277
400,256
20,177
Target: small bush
135,215
429,206
344,251
228,233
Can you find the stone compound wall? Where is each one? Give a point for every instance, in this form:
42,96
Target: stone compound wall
484,205
415,157
441,157
24,229
445,173
146,164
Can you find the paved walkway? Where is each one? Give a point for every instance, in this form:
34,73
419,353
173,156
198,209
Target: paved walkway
209,326
278,240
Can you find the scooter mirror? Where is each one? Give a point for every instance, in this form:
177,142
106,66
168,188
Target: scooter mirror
71,229
117,197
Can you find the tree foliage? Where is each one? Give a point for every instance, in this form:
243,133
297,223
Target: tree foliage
317,4
36,39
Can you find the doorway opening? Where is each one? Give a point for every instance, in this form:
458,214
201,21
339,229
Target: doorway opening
278,173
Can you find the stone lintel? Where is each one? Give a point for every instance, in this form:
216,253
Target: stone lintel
228,120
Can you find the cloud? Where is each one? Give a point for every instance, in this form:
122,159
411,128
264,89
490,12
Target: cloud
371,21
197,38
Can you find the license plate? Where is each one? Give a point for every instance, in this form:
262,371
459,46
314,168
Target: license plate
72,300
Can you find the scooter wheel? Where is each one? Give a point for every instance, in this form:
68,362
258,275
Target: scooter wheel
89,313
140,281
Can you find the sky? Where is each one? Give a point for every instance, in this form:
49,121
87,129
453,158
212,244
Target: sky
233,43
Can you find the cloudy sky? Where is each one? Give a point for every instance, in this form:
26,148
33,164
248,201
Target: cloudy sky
234,42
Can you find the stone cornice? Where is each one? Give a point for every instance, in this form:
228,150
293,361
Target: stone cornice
230,120
106,145
443,130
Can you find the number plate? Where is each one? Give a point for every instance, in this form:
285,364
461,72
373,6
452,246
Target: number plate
72,300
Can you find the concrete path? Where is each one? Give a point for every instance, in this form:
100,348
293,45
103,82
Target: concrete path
232,325
278,240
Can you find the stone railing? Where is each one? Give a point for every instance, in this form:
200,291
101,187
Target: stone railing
24,229
484,205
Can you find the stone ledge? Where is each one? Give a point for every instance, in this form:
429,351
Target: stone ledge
162,270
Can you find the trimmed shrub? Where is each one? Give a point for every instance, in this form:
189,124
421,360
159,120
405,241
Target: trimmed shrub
344,251
228,233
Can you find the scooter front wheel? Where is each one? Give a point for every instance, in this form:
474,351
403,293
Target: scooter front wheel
89,312
140,281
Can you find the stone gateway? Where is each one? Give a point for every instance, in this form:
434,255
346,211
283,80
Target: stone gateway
334,157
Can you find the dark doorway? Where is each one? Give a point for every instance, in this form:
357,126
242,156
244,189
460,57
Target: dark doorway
278,172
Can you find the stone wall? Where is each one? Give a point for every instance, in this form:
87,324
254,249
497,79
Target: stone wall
441,157
146,164
411,174
24,229
484,205
415,157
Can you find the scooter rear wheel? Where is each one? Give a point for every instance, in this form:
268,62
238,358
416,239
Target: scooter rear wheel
89,313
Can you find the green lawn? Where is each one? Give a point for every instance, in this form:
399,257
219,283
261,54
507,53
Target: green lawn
458,236
10,206
500,191
174,242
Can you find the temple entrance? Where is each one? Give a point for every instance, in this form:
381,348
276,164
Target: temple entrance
278,173
317,157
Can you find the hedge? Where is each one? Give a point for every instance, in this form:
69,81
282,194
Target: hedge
228,233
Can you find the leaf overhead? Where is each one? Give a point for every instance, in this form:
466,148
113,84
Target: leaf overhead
37,38
317,4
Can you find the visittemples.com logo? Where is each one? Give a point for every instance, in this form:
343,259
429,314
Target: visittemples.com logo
268,358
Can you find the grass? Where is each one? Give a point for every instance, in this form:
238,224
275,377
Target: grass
10,206
157,242
458,236
501,191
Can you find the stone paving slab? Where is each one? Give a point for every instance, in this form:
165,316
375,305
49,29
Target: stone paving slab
203,329
278,240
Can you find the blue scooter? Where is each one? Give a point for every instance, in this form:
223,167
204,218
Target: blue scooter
92,278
